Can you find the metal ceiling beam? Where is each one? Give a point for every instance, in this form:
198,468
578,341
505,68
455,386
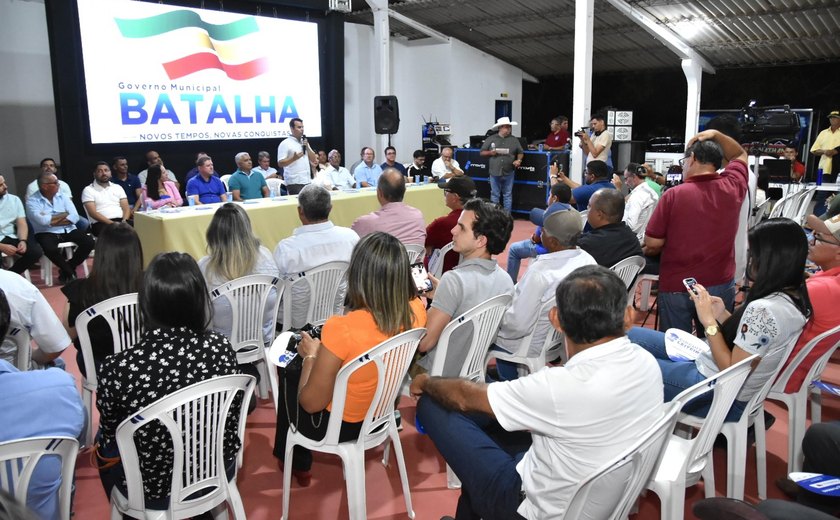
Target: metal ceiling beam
417,26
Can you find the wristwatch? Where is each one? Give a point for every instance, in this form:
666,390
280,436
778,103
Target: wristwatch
711,330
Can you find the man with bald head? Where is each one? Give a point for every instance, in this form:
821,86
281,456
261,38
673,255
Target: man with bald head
245,184
153,158
394,217
610,240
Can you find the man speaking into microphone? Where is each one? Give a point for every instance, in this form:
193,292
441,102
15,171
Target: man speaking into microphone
293,156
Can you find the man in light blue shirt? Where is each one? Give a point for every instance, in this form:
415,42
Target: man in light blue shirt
53,217
367,174
15,239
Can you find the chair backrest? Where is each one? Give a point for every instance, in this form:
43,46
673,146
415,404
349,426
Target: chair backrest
553,341
123,317
725,384
436,270
792,207
19,335
195,418
392,358
611,491
756,403
485,318
325,283
828,340
780,205
225,178
628,268
583,215
274,185
415,252
19,458
758,213
804,202
248,297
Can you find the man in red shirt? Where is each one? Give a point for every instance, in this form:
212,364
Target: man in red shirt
456,192
694,227
824,292
559,135
797,169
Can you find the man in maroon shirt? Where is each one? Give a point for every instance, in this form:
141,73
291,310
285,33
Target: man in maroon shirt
456,192
694,227
559,135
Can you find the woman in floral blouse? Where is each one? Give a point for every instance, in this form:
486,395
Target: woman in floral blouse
176,351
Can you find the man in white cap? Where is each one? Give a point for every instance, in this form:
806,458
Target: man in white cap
506,153
826,146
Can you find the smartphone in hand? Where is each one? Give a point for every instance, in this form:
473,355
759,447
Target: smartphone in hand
421,278
689,285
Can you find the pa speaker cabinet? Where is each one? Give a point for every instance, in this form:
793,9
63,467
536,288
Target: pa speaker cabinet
386,114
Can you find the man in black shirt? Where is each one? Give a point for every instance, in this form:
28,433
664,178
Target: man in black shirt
610,240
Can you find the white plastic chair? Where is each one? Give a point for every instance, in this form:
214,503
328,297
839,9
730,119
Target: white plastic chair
392,358
248,297
274,185
195,418
325,297
123,317
797,402
552,346
781,204
645,281
611,491
736,436
437,269
9,261
758,213
686,460
47,266
225,179
627,270
18,460
416,252
19,335
804,202
583,219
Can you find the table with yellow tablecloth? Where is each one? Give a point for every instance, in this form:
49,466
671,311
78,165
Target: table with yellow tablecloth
183,229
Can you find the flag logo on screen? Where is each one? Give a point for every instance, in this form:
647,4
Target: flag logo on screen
209,46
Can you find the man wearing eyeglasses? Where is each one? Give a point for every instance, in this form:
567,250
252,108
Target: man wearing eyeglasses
694,225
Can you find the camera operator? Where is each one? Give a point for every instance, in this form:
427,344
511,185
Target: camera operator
596,147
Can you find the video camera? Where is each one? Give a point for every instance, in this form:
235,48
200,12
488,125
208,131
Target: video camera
766,123
289,359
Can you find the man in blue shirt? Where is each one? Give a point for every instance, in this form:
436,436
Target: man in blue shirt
391,160
367,173
245,184
206,188
15,238
53,217
597,176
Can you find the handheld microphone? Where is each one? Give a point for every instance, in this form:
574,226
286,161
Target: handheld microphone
303,143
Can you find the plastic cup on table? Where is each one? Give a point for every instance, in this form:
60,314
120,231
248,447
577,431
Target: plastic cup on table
416,179
229,196
191,200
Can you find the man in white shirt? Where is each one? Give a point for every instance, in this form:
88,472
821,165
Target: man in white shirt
335,176
523,446
293,156
318,241
445,166
104,201
32,311
597,146
264,166
561,229
641,201
153,158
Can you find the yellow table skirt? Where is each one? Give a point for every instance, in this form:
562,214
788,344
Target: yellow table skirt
184,228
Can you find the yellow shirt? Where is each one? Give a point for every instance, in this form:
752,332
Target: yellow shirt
827,140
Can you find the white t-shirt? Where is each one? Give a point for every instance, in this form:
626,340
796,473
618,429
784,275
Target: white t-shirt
439,168
106,199
639,208
265,173
298,172
604,139
31,310
580,416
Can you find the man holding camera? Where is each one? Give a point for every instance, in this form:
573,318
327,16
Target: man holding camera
506,154
596,147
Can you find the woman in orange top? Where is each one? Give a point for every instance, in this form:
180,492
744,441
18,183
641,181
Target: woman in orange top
382,303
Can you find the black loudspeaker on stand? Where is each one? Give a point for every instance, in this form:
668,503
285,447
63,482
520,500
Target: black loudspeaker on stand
386,114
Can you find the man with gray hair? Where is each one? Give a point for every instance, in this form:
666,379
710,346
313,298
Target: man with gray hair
243,183
561,228
335,176
318,241
264,166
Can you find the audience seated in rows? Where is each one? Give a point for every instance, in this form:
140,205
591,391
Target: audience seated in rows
233,252
160,193
17,241
175,351
316,242
105,202
456,193
117,270
53,217
523,446
561,229
694,225
335,176
153,159
768,323
395,217
37,403
206,187
381,302
610,240
244,184
530,248
482,230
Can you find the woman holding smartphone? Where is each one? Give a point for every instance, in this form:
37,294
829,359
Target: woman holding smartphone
767,323
382,302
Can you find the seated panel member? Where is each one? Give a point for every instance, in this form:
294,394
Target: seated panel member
105,202
244,183
206,188
16,239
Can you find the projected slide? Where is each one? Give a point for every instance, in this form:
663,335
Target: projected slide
165,73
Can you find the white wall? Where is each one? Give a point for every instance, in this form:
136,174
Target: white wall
27,108
454,83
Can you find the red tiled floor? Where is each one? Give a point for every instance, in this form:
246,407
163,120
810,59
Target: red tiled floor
260,481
